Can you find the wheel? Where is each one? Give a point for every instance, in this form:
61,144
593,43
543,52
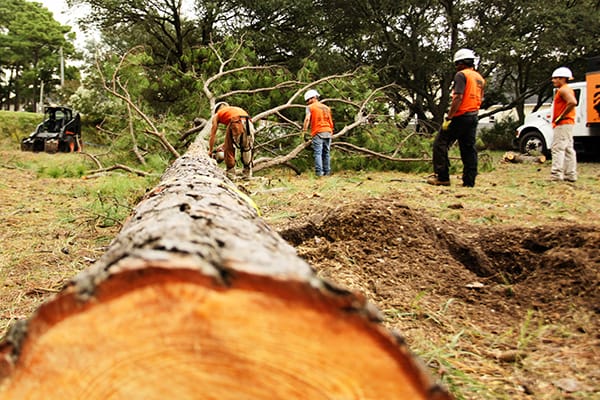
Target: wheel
26,145
533,143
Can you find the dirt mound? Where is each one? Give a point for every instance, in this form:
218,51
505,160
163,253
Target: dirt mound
394,254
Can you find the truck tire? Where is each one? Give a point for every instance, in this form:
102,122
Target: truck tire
533,143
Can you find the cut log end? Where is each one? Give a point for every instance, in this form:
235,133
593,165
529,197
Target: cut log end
183,336
523,158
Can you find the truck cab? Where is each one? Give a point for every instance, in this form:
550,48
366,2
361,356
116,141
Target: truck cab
536,134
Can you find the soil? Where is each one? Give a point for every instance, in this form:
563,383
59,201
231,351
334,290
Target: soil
552,269
513,307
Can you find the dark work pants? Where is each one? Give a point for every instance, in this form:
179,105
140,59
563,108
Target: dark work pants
463,129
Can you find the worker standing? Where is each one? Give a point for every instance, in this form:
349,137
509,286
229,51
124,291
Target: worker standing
460,123
239,133
564,159
318,117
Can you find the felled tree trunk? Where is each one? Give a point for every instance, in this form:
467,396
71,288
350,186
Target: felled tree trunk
198,298
512,157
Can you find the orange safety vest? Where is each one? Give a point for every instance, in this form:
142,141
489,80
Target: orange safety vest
320,118
559,106
226,114
473,94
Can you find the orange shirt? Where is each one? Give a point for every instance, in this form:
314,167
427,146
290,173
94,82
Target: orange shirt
473,92
320,118
559,106
226,114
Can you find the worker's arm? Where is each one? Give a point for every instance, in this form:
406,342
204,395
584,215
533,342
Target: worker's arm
306,122
456,100
213,134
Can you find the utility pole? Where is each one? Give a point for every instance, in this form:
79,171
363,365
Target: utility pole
62,68
41,106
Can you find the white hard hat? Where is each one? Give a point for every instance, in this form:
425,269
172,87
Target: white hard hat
310,94
220,104
464,54
562,72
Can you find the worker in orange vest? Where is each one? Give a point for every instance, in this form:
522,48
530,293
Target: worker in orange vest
318,117
564,159
239,133
460,123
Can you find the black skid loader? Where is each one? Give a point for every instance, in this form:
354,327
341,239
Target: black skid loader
59,132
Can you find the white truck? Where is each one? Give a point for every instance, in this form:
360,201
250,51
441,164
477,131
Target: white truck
536,134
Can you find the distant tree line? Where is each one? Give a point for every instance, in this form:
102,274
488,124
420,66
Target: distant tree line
31,41
407,42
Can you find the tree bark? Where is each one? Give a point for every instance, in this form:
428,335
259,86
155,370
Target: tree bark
198,298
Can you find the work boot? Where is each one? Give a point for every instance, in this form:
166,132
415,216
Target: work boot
230,173
434,180
247,173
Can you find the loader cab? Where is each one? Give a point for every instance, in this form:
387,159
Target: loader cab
60,127
55,119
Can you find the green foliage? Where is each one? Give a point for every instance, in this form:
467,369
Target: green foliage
500,136
406,45
385,138
17,125
31,44
522,42
115,196
67,170
94,103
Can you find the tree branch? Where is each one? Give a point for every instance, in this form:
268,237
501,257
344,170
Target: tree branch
348,146
98,172
126,97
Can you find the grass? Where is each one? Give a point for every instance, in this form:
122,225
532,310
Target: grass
54,224
529,199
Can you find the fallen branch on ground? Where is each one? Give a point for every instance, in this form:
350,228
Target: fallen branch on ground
94,173
349,146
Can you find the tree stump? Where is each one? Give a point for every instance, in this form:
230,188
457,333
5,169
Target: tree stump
198,298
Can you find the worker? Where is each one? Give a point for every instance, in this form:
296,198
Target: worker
318,117
70,138
239,133
460,122
564,159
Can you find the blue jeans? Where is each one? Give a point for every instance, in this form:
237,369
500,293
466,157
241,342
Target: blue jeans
321,148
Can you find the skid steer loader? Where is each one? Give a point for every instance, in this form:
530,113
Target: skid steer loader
60,131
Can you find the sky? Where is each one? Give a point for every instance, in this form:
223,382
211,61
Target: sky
59,9
66,16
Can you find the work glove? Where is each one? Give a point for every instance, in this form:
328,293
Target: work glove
446,124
